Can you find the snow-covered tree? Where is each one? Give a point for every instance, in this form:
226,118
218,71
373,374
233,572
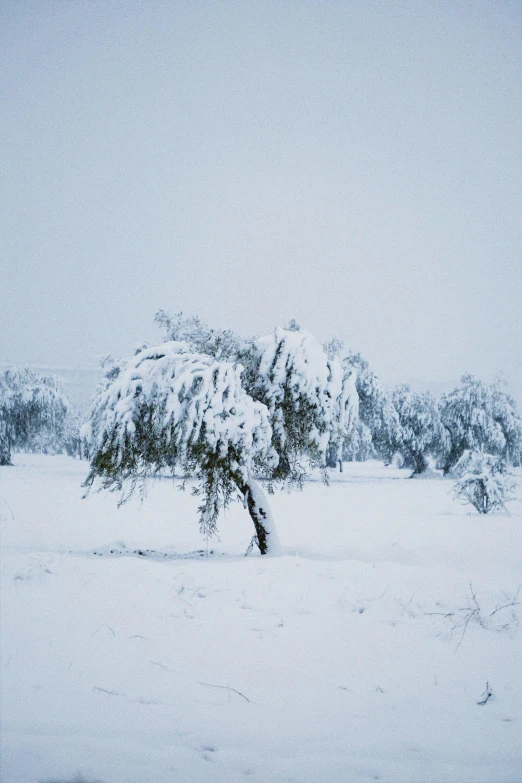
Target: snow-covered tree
376,410
346,420
483,481
33,411
422,433
170,408
480,417
377,432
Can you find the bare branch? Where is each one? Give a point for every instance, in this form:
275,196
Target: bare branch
106,626
514,602
155,663
226,688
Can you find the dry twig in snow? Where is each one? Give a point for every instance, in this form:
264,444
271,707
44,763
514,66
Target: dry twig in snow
226,688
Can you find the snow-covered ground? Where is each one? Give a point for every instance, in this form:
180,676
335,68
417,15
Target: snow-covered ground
359,655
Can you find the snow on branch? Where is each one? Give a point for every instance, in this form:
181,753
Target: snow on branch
190,398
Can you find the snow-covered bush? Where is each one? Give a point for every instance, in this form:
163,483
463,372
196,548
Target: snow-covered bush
33,411
483,481
481,417
170,408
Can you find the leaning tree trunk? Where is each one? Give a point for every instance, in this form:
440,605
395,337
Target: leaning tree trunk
261,515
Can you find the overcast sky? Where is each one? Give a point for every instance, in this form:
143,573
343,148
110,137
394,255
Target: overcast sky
354,165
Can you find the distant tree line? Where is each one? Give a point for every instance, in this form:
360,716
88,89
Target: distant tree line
400,425
418,431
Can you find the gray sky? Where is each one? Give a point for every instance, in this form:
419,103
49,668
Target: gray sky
355,165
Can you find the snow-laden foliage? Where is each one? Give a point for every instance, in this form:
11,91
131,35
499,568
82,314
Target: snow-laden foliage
358,446
483,481
346,414
378,431
345,420
376,410
71,442
33,412
335,348
172,409
335,405
309,399
481,417
504,412
222,344
293,326
422,433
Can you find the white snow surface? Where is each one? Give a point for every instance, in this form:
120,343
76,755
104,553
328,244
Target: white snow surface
359,655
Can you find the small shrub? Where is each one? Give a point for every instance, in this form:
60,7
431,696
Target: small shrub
483,481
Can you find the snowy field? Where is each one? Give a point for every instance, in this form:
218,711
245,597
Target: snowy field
360,655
